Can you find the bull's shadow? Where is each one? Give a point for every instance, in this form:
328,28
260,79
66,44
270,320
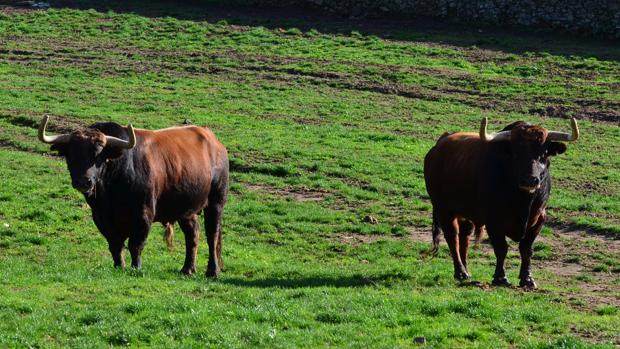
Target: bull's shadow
348,281
430,30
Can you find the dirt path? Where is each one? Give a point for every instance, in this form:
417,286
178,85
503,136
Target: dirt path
456,85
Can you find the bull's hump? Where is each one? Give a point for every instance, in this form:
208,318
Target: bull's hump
174,128
460,136
460,153
460,141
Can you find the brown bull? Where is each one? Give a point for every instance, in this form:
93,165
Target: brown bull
132,178
501,181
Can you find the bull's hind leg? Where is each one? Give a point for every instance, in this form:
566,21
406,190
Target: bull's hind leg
466,228
213,221
450,228
191,230
219,249
213,229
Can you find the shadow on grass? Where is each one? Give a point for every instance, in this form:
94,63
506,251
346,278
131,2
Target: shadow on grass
351,281
437,31
572,227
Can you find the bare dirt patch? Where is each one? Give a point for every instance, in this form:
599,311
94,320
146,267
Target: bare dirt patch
301,194
585,187
353,239
575,254
360,239
29,119
17,7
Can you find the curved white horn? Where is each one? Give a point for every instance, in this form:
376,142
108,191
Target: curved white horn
120,143
64,138
563,136
500,136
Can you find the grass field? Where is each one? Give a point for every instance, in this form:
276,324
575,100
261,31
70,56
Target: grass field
325,125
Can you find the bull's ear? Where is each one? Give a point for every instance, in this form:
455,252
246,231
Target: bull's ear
556,148
61,148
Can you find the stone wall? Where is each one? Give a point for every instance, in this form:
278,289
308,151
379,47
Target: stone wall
589,17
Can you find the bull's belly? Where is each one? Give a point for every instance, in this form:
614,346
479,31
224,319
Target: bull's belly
508,227
174,205
504,221
114,222
461,208
508,223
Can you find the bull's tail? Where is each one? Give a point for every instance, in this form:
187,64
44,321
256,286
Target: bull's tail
478,233
432,252
169,235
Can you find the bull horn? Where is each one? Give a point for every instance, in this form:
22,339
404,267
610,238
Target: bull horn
565,137
121,143
64,138
499,136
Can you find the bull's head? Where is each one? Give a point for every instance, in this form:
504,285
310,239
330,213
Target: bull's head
85,152
531,146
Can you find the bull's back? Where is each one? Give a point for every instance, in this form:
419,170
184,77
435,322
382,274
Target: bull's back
453,171
184,165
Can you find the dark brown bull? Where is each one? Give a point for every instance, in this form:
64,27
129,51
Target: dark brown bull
132,178
501,181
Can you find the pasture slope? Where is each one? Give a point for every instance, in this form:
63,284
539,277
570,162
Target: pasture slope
327,123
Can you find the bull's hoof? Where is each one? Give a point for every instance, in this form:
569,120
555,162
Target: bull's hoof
188,270
213,273
136,264
501,282
461,275
528,283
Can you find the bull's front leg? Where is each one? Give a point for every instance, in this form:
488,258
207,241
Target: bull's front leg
116,249
116,242
525,273
466,228
525,249
137,240
500,247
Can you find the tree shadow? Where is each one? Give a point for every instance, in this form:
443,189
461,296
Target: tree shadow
435,31
349,281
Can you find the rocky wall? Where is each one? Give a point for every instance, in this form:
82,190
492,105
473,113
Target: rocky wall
589,17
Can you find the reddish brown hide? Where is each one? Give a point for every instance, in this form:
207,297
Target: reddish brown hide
500,181
132,178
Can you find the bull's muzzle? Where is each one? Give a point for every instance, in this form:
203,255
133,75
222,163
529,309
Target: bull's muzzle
83,185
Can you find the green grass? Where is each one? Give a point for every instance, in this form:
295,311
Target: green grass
323,129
